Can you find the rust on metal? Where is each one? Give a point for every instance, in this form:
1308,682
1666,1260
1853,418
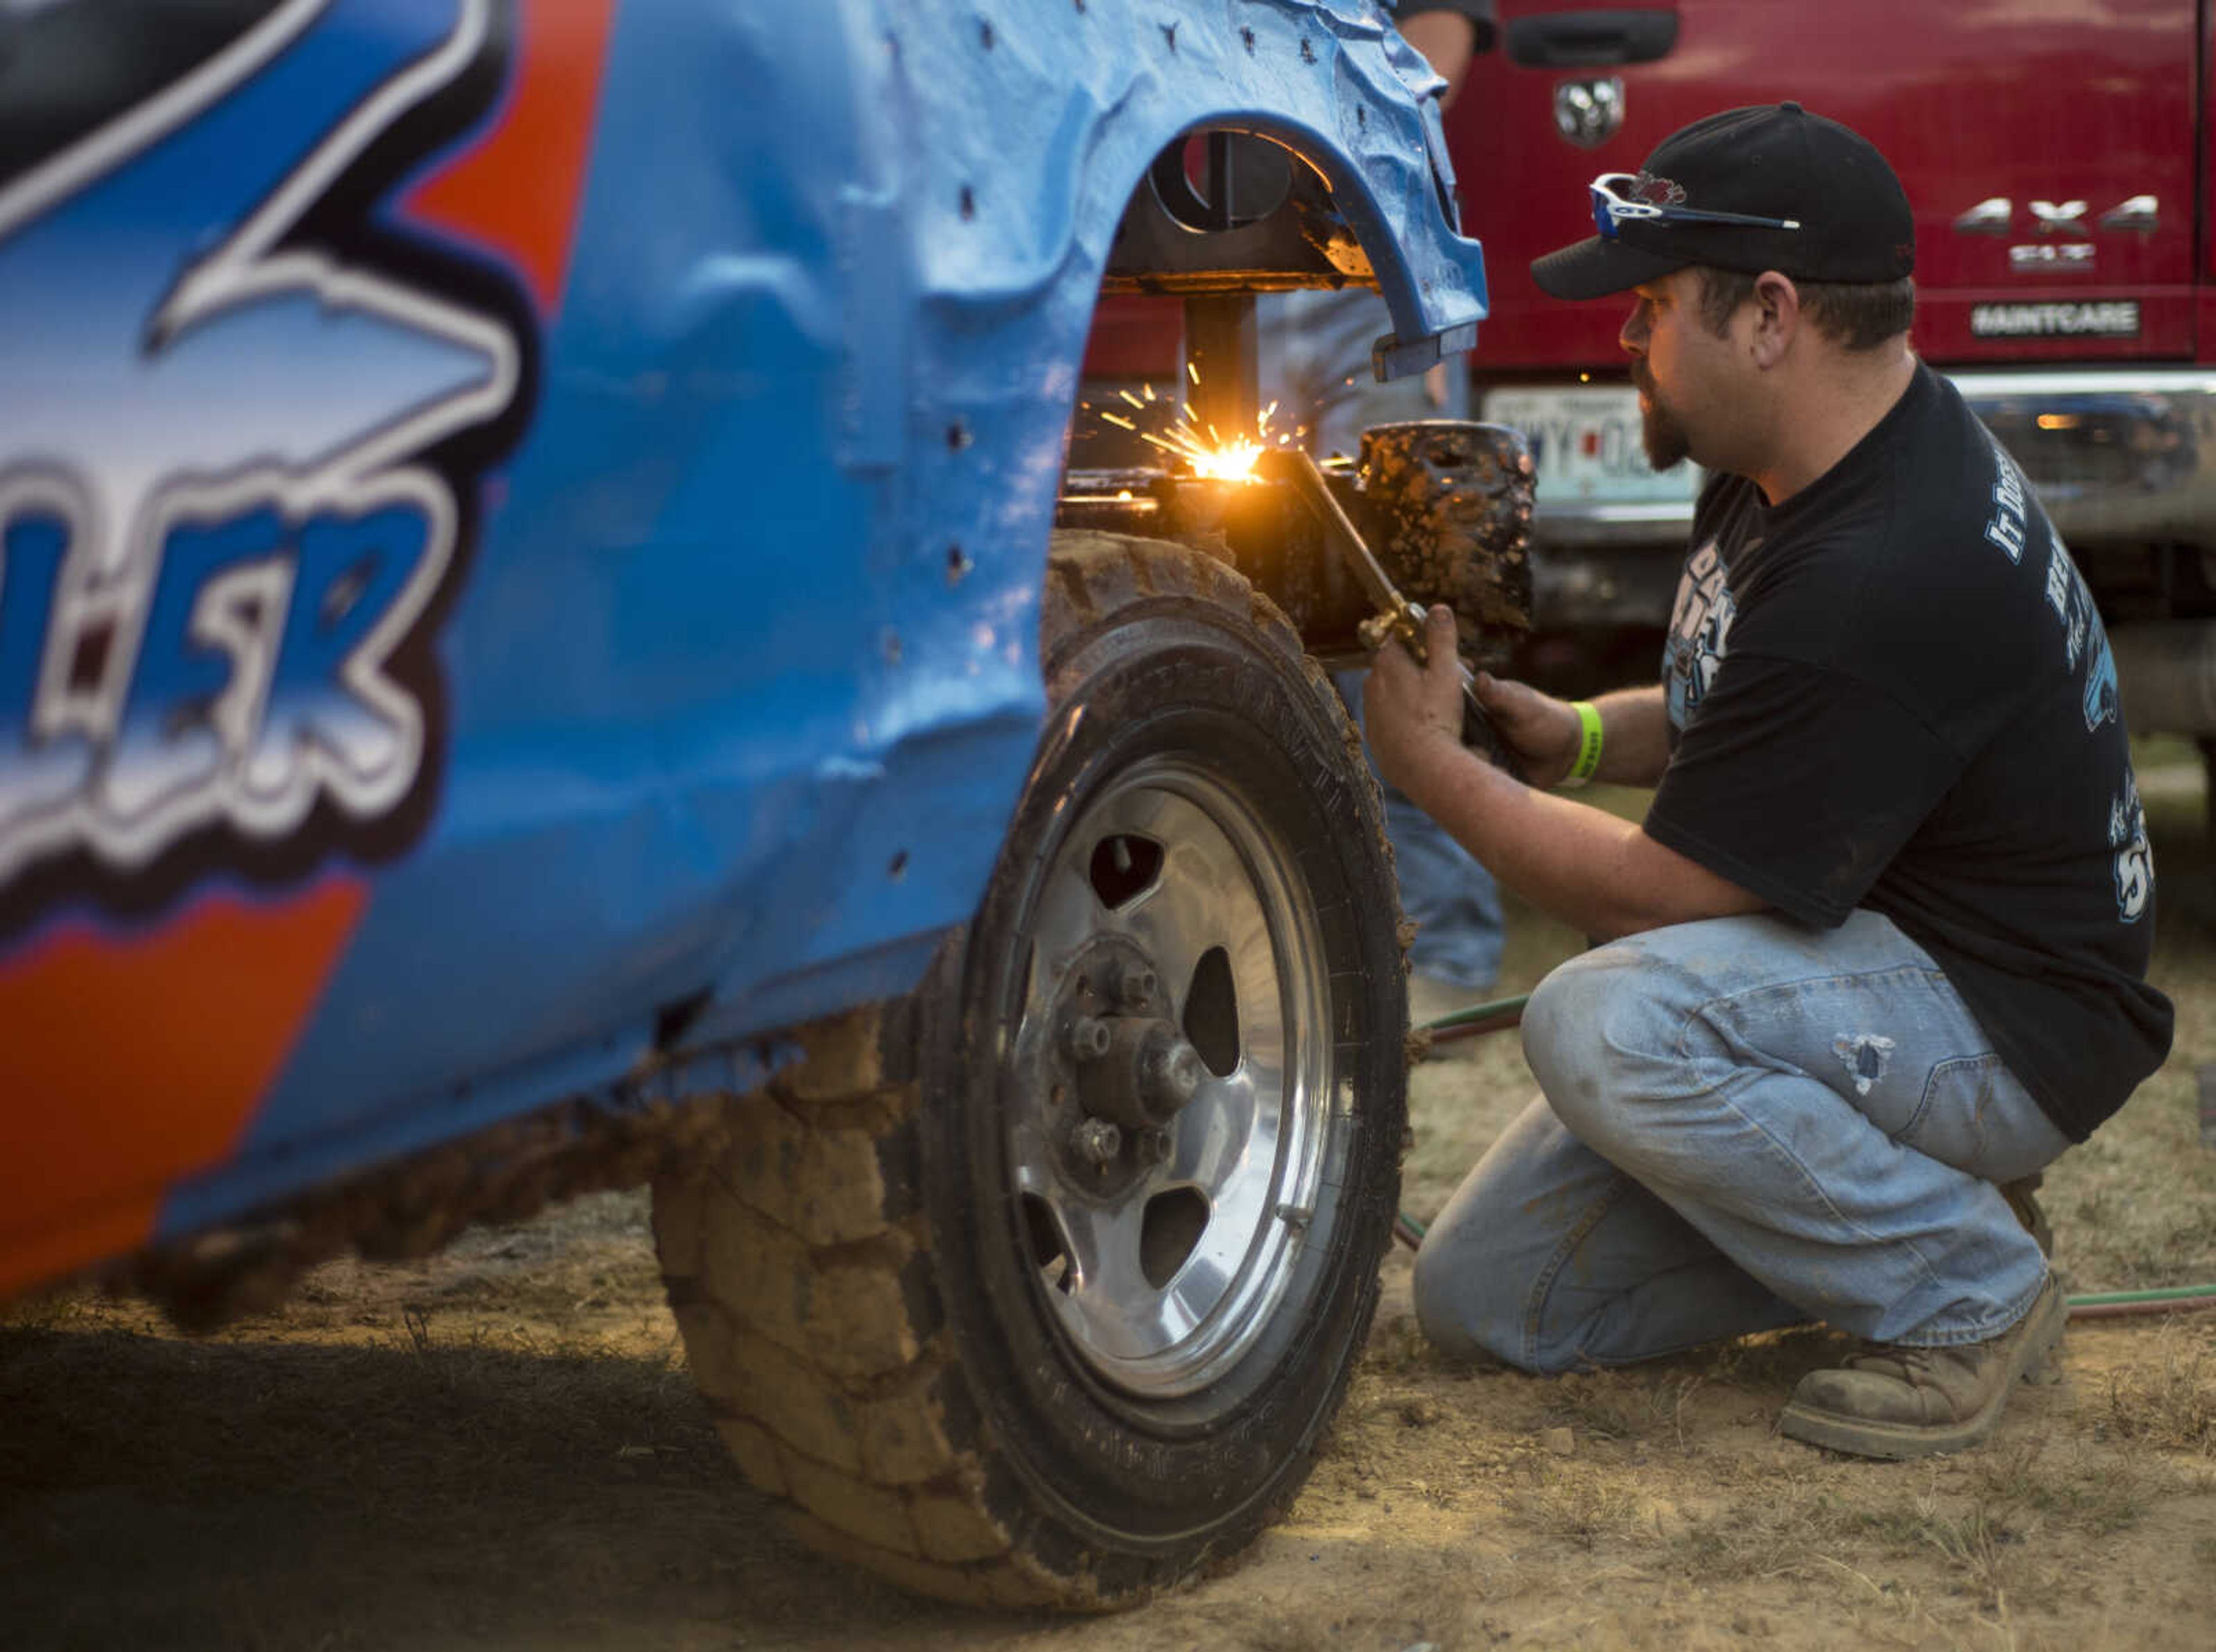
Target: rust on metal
1451,502
412,1208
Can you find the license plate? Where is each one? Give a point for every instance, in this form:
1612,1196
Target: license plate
1585,442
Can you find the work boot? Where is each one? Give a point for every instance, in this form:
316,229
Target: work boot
1915,1402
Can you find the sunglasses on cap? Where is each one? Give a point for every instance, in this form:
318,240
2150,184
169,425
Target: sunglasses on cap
1619,198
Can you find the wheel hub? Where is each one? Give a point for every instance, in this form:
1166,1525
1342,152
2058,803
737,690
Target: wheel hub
1122,1072
1172,1069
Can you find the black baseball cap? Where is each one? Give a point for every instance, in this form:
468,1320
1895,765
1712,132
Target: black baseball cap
1774,162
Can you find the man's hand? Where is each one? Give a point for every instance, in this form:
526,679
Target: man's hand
1599,873
1412,714
1542,730
1406,710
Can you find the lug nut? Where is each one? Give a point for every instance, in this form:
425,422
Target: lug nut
1088,1038
1096,1141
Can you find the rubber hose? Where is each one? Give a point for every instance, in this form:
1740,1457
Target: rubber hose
2096,1304
1476,1021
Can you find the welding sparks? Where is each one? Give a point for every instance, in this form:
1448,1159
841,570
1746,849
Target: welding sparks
1199,448
1233,463
1210,456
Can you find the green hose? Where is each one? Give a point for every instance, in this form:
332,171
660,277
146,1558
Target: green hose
2181,1292
2092,1305
1477,1013
1503,1013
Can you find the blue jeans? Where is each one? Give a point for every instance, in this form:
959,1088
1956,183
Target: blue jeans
1747,1123
1451,899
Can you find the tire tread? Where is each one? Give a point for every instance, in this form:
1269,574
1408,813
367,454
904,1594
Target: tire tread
825,1380
797,1261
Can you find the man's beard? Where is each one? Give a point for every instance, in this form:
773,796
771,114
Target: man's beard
1659,432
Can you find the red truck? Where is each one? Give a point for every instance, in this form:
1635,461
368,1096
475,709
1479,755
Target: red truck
2057,158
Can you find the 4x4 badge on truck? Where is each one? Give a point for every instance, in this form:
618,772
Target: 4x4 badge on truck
2059,216
1995,215
1588,111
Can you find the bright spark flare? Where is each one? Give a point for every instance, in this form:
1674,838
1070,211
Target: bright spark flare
1200,448
1216,460
1233,463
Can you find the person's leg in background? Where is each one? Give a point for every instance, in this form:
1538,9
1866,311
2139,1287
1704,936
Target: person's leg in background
1314,350
1455,955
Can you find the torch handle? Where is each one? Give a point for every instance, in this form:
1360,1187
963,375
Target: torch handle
1479,735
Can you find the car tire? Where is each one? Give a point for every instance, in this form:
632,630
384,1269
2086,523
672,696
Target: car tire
1040,1287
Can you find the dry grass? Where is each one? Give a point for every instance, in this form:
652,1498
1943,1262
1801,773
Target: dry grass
1986,1528
1581,1504
2167,1398
1646,1407
2068,1486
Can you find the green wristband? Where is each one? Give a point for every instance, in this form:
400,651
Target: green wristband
1588,759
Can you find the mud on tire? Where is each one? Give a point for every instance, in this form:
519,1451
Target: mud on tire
1018,1311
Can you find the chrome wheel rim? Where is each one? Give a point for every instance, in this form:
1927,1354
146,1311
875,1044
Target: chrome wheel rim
1165,1245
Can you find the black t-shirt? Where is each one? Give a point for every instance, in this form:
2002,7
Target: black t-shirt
1893,692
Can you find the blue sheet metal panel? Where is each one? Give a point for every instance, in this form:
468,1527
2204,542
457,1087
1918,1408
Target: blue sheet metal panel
744,677
1033,131
658,671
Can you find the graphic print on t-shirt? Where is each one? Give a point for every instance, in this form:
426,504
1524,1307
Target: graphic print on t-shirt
2085,643
2083,639
2082,634
2127,836
2067,596
1700,631
2006,528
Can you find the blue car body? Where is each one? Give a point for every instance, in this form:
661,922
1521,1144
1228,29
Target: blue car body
522,520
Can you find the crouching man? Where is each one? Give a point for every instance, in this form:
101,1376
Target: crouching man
1880,945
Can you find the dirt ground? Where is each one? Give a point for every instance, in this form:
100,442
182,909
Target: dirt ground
501,1449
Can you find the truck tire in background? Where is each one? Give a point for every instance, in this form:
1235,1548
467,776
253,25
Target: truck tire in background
1040,1287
